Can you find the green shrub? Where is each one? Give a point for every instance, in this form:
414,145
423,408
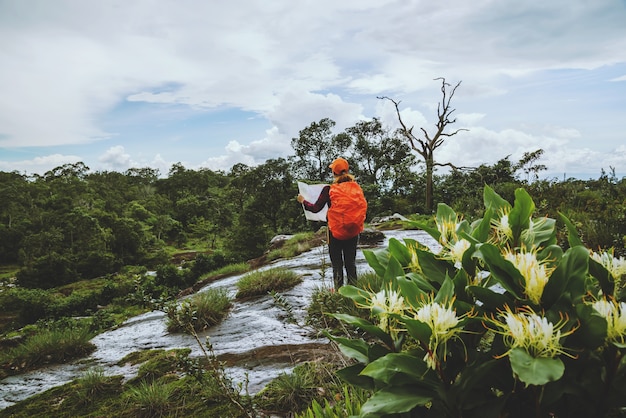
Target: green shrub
170,276
294,246
95,383
151,399
308,384
236,268
289,392
47,272
79,302
205,263
501,322
346,403
370,281
55,344
260,282
324,302
30,304
200,311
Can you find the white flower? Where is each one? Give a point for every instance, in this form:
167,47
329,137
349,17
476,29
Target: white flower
535,334
447,229
615,266
501,226
431,360
457,250
615,315
535,273
444,324
441,319
382,305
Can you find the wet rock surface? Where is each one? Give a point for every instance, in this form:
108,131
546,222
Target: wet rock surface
254,340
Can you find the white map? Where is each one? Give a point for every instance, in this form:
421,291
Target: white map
311,192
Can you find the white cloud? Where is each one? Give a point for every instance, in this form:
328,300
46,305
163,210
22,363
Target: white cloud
68,63
115,158
480,146
298,109
469,119
39,165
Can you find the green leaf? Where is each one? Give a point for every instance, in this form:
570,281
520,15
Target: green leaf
468,261
491,300
358,295
543,234
482,227
535,370
493,201
446,292
386,369
395,400
400,252
519,217
377,260
603,276
418,330
621,367
365,326
572,269
434,268
352,348
394,270
352,375
503,271
461,281
569,275
593,328
552,253
445,214
572,235
414,288
474,380
432,231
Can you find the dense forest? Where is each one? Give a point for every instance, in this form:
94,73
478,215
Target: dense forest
82,251
72,224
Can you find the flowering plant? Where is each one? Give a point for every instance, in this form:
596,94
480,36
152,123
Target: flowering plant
500,322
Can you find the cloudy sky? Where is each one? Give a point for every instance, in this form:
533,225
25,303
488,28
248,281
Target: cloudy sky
148,83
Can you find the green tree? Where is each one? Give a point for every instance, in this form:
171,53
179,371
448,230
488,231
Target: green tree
528,164
380,160
462,189
316,147
14,210
247,239
273,193
378,155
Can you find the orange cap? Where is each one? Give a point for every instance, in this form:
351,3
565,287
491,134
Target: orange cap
339,166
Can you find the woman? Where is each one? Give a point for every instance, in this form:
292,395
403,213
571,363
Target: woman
346,216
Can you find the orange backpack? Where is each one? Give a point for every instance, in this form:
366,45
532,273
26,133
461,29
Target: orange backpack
347,211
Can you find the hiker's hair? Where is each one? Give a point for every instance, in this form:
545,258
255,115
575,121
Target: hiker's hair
343,177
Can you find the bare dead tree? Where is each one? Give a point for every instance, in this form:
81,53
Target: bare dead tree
425,144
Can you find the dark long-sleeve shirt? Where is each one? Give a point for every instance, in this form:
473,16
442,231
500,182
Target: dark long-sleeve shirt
323,199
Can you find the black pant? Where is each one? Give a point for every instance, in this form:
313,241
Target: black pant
343,254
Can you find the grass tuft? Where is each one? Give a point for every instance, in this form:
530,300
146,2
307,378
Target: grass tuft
55,345
200,311
261,282
231,269
151,399
296,245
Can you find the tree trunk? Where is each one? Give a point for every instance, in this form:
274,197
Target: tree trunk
429,184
